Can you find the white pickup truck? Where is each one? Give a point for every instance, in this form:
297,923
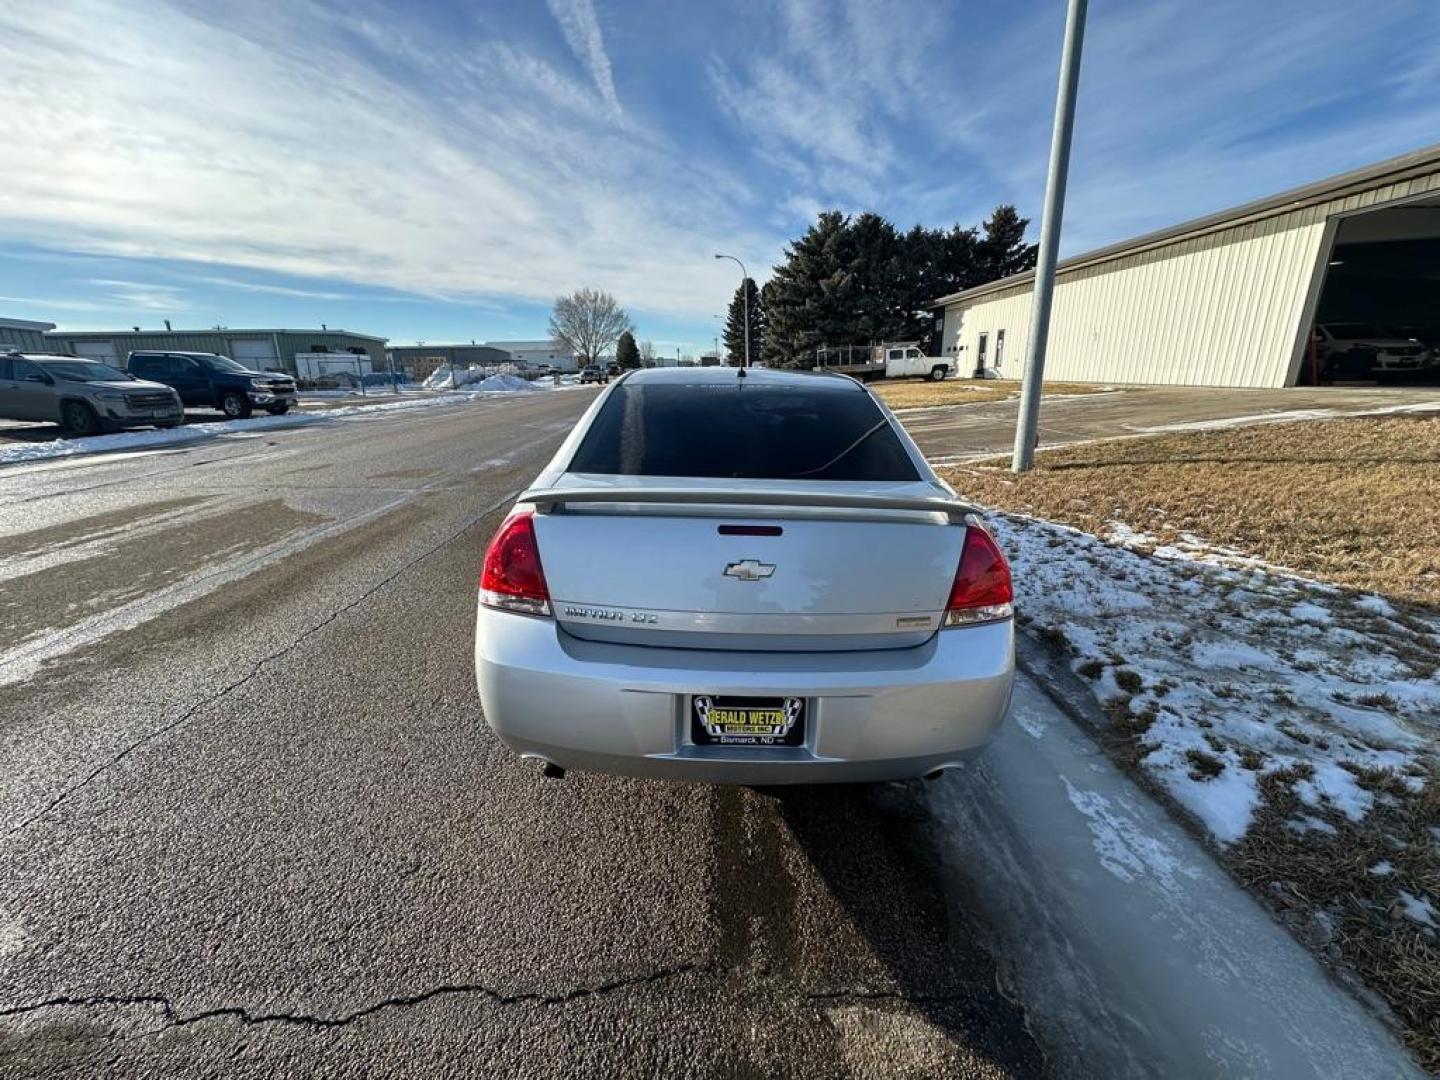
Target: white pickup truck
894,360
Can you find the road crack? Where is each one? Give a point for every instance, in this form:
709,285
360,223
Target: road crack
174,1018
258,666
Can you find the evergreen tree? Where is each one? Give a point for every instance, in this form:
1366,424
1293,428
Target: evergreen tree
1002,250
734,338
857,281
627,353
811,299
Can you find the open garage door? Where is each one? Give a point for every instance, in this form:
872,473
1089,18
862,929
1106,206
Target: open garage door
1377,320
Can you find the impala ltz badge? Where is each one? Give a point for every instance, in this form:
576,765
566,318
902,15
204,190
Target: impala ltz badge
749,570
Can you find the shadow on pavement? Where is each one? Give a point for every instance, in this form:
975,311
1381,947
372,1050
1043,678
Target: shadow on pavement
872,847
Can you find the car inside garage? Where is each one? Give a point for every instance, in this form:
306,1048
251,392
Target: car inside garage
1377,319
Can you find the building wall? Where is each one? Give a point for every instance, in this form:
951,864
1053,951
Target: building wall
421,360
259,348
306,342
1226,308
535,353
26,340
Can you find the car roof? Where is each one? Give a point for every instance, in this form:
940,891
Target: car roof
171,352
824,382
55,356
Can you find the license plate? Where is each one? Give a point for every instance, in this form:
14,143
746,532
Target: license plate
161,414
747,721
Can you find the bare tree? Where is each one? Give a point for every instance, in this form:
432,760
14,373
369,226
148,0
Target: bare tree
588,322
647,353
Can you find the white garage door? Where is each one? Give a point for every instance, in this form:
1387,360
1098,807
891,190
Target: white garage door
97,350
258,354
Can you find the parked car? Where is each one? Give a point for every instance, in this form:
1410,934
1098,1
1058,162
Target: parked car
801,599
591,373
1358,348
207,380
83,396
612,370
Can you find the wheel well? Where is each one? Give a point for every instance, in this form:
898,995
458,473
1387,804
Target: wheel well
70,400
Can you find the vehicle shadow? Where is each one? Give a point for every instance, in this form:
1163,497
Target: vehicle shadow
874,849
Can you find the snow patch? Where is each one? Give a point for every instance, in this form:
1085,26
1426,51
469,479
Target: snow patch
1230,670
1418,909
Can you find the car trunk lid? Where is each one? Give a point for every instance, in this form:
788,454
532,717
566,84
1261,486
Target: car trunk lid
779,565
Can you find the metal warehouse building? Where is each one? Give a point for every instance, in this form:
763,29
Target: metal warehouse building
24,334
263,350
1230,299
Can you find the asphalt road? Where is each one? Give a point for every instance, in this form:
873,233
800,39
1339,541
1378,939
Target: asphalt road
252,822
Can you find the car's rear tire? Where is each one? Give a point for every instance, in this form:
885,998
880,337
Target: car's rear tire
277,410
937,373
235,405
79,419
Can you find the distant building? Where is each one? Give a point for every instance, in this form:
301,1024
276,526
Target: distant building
535,353
420,361
24,334
263,350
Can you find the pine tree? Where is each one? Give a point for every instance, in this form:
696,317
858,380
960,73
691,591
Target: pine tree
811,299
857,281
627,353
1002,251
745,293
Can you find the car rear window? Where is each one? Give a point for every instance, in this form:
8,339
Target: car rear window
742,431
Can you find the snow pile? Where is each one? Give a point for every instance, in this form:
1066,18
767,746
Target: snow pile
477,378
503,384
1225,671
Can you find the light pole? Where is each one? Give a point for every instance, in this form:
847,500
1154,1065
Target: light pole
1025,430
745,298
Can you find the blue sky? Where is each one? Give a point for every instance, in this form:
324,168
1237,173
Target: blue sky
441,171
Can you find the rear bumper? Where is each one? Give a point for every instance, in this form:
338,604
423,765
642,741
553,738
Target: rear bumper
879,715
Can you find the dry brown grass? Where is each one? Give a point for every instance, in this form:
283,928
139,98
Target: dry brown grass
1352,501
919,394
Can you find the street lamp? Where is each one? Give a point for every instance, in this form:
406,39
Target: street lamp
745,298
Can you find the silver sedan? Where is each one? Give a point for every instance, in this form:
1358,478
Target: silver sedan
746,577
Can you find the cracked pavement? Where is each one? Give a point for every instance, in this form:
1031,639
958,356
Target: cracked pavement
253,824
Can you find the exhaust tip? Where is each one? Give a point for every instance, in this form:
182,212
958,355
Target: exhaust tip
548,768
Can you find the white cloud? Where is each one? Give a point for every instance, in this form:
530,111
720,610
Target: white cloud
275,290
143,294
466,170
582,33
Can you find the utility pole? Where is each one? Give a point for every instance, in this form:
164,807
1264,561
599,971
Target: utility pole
1026,430
745,298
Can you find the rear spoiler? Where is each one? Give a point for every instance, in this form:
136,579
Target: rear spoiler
546,500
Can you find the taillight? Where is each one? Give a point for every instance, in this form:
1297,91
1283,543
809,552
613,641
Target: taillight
982,590
512,577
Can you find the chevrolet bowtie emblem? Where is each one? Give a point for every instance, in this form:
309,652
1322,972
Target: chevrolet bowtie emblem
749,570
